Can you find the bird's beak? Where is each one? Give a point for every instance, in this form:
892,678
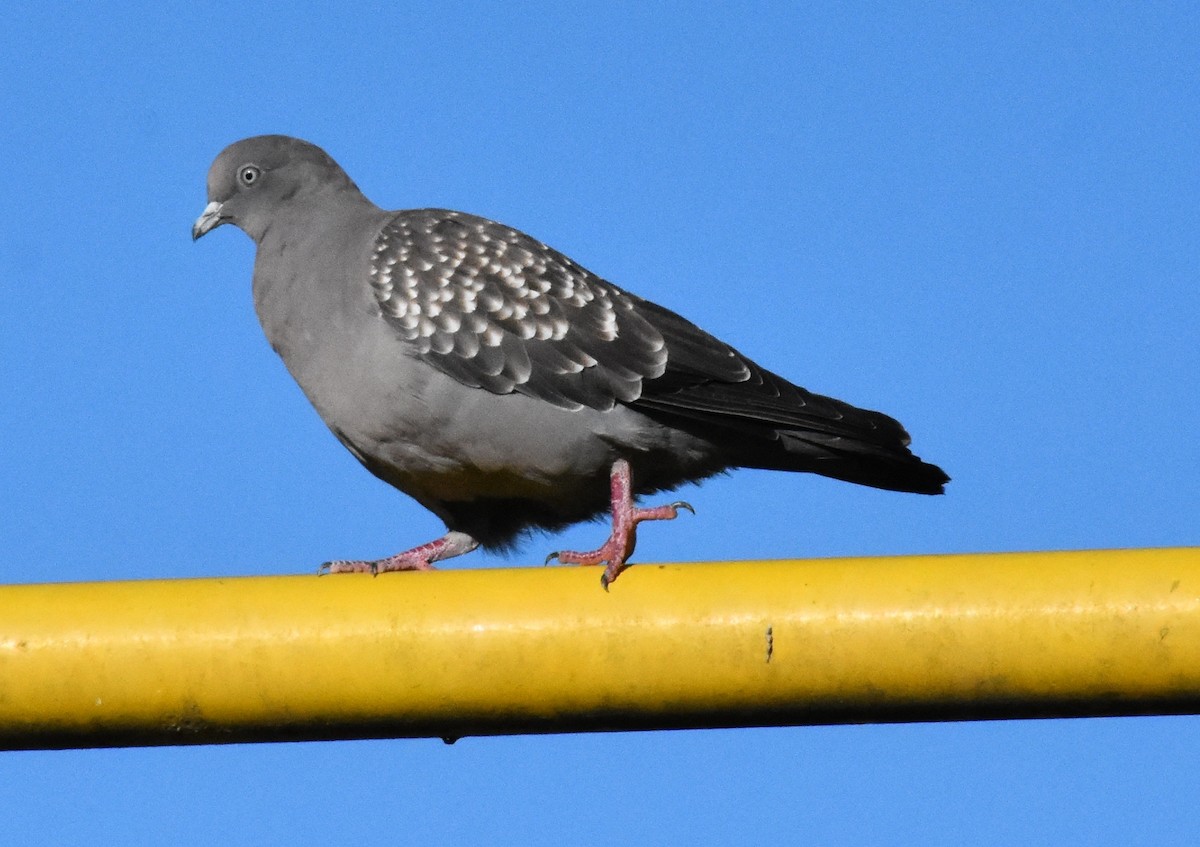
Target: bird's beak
209,219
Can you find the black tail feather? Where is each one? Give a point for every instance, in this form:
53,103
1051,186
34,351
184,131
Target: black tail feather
865,464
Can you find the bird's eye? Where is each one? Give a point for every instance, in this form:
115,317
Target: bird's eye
249,174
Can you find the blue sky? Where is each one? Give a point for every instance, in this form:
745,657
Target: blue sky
981,220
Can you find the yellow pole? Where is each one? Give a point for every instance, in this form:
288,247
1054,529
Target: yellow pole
477,652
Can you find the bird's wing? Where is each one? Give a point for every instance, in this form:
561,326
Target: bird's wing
758,399
499,310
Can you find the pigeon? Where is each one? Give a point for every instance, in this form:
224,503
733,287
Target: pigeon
500,384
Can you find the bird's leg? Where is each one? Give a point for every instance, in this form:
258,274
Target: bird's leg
615,552
417,559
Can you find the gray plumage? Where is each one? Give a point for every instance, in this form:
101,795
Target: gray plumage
495,380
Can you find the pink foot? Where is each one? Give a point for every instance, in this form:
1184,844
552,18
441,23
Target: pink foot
417,559
615,552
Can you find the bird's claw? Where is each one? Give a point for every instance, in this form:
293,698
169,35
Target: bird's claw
551,557
332,567
683,504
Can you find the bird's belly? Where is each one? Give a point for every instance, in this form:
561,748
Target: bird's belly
436,438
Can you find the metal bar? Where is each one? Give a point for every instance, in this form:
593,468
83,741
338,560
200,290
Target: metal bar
480,652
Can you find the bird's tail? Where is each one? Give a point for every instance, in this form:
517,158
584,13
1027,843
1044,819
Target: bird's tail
775,425
889,466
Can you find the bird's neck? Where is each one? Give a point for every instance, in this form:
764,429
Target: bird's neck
311,271
315,212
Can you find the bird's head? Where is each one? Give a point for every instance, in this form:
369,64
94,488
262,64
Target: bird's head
255,180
